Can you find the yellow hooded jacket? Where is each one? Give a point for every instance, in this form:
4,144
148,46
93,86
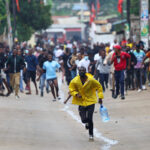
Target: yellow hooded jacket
87,91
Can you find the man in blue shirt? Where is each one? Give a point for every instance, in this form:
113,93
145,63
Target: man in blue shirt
32,63
139,67
50,68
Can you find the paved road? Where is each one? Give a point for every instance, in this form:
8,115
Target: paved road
35,123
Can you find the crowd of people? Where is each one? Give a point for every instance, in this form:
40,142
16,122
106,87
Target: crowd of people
88,72
118,66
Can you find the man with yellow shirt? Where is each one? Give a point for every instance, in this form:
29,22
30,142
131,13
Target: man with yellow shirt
83,88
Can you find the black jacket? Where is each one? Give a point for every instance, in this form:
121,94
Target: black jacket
133,60
11,64
2,61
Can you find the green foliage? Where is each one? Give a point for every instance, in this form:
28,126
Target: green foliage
135,7
33,16
3,17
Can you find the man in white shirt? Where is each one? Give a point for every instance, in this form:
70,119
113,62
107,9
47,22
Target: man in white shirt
96,58
58,52
114,44
77,62
85,62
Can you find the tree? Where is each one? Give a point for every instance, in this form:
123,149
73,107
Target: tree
33,16
3,16
135,7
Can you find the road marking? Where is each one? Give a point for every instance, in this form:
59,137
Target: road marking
97,134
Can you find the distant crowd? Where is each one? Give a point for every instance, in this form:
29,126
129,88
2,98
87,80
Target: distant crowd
118,66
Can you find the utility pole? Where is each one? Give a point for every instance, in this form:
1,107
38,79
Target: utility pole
82,18
128,25
128,12
10,38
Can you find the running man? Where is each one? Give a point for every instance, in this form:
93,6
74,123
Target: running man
83,88
119,58
32,63
50,67
14,64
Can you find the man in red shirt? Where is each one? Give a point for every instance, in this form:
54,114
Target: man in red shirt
119,59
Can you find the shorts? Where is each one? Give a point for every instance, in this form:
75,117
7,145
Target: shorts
50,81
31,75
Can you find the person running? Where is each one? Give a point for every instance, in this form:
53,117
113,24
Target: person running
85,62
50,68
104,70
14,64
83,88
2,70
139,54
32,63
130,72
147,57
41,59
119,59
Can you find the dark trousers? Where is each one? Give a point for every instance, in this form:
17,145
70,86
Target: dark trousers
68,75
86,114
104,80
130,79
119,78
138,77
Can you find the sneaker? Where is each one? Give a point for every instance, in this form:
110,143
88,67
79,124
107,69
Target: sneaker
8,94
113,93
54,100
115,96
17,97
86,126
139,90
59,98
91,138
122,97
41,94
143,87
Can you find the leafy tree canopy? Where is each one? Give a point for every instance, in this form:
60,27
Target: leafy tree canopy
3,16
33,16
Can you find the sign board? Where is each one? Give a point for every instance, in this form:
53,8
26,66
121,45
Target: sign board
144,21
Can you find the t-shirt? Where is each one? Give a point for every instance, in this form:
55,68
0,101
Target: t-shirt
58,53
50,68
84,63
31,62
120,61
139,56
96,57
104,69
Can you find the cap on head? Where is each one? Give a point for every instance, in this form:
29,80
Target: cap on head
118,47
